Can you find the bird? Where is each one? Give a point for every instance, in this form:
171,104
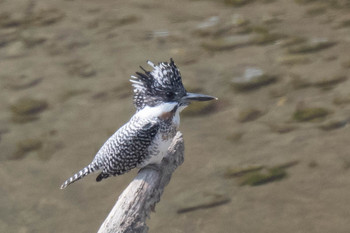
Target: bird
159,97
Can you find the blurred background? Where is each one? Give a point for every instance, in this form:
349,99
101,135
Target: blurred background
272,155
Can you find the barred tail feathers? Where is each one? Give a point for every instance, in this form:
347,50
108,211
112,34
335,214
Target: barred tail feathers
77,176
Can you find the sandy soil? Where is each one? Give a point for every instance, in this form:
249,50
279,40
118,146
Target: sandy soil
64,70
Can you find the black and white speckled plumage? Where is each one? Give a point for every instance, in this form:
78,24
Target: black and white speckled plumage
147,136
162,84
159,97
127,148
133,145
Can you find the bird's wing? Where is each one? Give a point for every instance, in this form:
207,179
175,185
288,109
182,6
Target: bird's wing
128,147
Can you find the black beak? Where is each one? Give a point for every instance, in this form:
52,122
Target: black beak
197,97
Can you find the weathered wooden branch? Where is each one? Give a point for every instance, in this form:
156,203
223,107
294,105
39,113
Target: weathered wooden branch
140,197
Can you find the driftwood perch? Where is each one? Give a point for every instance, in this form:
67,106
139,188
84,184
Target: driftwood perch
140,197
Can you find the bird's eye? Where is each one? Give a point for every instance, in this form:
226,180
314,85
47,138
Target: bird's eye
170,94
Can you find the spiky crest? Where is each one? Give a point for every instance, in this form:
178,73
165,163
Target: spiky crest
161,84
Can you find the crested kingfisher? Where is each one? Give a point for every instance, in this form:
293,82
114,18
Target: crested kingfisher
159,97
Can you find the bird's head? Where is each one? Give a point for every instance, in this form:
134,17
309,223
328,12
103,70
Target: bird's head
162,84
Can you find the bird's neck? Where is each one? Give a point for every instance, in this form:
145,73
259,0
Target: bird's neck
160,110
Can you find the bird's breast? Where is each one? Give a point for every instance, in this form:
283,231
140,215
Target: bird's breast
161,143
158,149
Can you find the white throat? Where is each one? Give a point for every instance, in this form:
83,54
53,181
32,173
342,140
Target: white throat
151,112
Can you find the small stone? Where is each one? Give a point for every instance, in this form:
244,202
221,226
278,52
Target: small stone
159,34
334,124
310,46
207,27
253,78
227,43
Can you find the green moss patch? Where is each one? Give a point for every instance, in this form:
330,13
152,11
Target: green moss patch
28,106
262,177
259,174
309,114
